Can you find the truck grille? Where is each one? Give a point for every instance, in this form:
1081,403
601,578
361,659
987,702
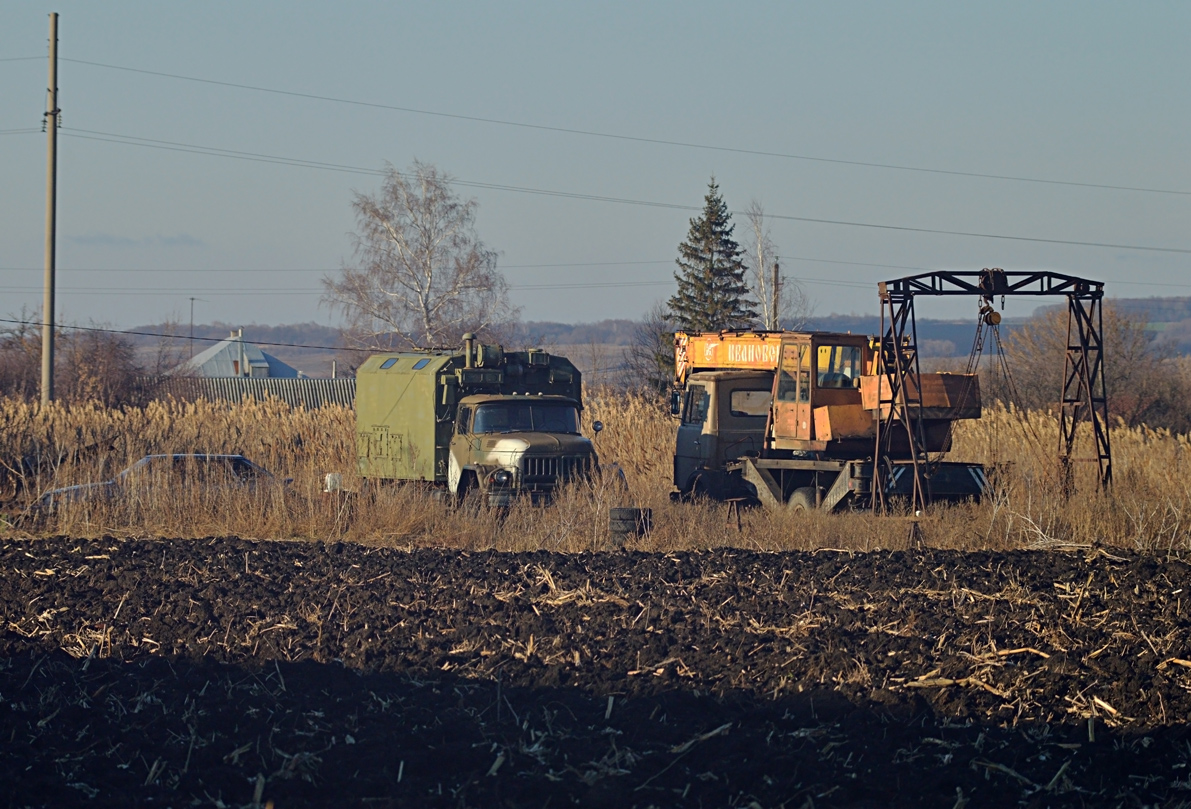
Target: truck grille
554,467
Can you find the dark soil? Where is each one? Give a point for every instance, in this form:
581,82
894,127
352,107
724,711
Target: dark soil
230,673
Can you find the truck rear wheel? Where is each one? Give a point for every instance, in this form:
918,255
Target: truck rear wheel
803,500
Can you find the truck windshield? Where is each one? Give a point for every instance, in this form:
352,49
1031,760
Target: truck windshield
516,417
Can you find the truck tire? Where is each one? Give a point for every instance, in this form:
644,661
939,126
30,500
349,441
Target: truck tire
802,500
469,497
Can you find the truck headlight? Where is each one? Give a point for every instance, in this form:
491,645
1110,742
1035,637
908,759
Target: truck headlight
502,477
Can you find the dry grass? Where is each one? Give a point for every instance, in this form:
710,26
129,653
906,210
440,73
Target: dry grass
67,444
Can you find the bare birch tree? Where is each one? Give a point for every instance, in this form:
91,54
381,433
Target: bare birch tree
423,277
783,302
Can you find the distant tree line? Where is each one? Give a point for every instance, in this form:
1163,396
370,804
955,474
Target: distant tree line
94,365
1147,381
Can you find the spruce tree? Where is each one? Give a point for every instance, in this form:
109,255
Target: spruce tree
712,292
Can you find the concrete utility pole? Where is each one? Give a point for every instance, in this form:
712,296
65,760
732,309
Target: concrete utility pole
777,294
51,200
192,300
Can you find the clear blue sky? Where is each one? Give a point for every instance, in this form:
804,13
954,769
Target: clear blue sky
1076,92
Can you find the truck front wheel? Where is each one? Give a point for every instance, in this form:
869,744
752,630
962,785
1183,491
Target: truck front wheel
468,496
803,500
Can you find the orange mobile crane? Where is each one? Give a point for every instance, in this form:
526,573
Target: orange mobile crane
821,419
790,419
824,420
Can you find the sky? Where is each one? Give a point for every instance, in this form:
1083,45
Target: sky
587,133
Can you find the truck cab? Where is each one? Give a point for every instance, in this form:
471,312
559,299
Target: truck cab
503,445
723,417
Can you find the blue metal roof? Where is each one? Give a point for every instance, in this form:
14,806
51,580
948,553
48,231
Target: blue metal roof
236,358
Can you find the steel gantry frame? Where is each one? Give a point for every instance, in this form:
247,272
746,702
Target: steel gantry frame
1084,395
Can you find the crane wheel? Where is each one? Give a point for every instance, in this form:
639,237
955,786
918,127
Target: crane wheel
802,500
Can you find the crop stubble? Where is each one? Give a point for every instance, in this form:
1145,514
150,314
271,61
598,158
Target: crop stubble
141,672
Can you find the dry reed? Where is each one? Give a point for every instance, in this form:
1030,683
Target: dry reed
41,449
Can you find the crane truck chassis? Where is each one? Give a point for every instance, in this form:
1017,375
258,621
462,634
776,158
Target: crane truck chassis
788,419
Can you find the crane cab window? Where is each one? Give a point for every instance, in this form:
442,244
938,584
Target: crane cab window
697,403
839,366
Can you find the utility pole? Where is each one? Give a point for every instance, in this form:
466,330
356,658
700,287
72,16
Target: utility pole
777,294
51,200
192,328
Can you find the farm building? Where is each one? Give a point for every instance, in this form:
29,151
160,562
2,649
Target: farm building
234,357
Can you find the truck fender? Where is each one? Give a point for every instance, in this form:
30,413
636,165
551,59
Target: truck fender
457,472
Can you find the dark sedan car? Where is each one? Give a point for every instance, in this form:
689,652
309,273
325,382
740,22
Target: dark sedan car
183,469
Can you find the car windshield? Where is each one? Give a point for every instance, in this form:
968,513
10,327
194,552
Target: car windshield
516,417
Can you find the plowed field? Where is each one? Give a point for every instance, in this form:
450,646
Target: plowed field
224,672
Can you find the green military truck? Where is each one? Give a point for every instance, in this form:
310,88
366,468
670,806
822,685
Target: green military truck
480,421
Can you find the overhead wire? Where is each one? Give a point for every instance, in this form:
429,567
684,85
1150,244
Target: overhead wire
236,154
163,335
265,291
316,269
258,157
631,138
548,265
169,336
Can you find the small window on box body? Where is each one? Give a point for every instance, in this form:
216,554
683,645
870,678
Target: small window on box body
389,363
420,364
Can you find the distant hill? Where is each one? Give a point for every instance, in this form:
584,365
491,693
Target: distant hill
936,338
1155,310
312,347
1168,318
603,332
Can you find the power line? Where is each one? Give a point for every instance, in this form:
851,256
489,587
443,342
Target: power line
320,269
142,292
135,333
106,290
25,131
145,142
576,264
634,138
166,291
